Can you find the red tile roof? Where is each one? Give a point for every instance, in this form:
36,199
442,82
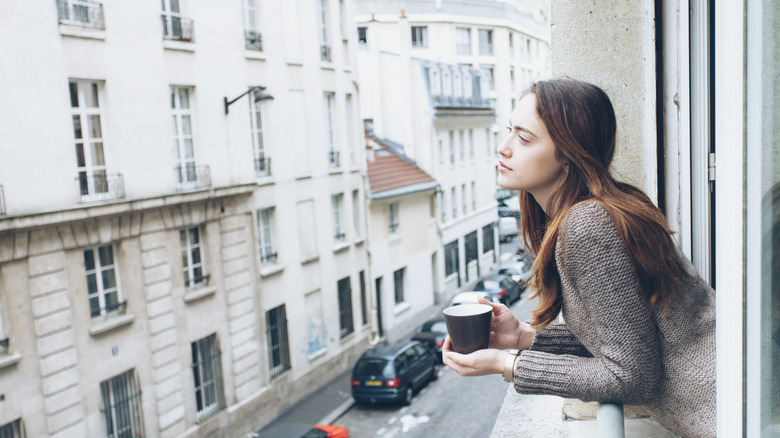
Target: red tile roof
389,171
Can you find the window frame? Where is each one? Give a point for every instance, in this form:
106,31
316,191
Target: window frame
265,236
392,218
191,280
463,47
399,280
187,170
486,43
337,203
92,175
258,117
346,319
122,392
101,292
419,37
278,341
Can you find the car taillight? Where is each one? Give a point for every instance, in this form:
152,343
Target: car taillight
440,344
502,293
393,383
354,382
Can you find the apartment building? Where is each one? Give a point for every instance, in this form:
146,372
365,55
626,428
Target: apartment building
182,214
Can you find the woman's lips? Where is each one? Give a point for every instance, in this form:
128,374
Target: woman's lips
503,166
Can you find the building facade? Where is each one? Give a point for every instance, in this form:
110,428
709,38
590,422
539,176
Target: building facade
182,233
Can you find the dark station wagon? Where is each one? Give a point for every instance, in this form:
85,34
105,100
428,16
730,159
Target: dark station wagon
392,372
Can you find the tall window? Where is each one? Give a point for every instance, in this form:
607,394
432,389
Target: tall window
175,27
362,36
356,212
344,19
265,237
345,307
251,29
463,40
182,136
13,429
192,257
398,282
351,143
463,197
262,161
511,77
487,238
278,347
121,410
392,218
88,136
454,202
452,147
322,13
363,298
511,45
336,202
102,281
485,42
207,375
442,205
451,258
487,77
474,196
419,36
462,146
330,112
471,143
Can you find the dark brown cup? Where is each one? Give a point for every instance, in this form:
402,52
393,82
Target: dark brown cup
469,326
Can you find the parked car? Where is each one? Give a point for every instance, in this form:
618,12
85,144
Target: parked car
500,286
508,228
518,271
392,372
300,430
432,334
471,298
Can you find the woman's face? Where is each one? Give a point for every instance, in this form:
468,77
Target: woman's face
527,158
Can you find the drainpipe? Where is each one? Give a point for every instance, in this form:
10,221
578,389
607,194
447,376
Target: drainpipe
609,421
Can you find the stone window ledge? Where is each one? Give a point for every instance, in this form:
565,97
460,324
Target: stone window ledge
340,247
9,359
271,270
198,293
103,326
401,308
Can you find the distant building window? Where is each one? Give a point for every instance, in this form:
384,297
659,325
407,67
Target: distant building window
121,410
454,202
265,236
463,40
487,238
485,42
487,77
463,197
419,36
262,162
511,45
322,23
470,243
345,307
462,145
452,147
338,229
207,375
392,218
102,281
398,281
13,429
451,258
473,196
356,212
471,143
192,257
329,110
278,348
363,298
362,35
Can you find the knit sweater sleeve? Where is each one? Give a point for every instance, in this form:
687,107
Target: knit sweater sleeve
601,297
556,338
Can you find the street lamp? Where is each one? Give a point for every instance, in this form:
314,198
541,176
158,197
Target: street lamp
260,94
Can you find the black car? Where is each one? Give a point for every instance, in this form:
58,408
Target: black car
501,286
432,333
392,372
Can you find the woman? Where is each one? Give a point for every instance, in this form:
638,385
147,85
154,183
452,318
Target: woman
639,321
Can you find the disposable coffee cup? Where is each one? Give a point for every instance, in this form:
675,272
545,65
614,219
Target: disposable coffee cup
469,326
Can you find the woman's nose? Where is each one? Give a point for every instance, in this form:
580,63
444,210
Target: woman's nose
503,148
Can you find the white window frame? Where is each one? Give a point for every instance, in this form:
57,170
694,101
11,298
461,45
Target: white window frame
250,16
265,236
101,291
420,36
454,202
462,144
187,170
278,339
121,392
485,42
329,112
463,40
337,202
356,213
208,375
474,195
170,15
463,194
392,218
191,280
471,143
262,162
349,103
92,141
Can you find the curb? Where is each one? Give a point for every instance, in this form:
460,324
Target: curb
338,412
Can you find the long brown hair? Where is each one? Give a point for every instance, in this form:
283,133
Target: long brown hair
581,122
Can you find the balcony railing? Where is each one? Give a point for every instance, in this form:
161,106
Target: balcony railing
443,101
176,28
268,257
197,280
191,176
116,307
2,201
333,159
100,186
325,53
254,41
262,166
82,13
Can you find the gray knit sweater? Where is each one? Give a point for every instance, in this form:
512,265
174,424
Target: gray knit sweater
612,349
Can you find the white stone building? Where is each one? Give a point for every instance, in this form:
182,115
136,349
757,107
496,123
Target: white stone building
178,253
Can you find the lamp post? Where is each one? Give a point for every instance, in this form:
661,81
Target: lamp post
260,94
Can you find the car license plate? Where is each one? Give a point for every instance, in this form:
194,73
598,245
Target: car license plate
373,383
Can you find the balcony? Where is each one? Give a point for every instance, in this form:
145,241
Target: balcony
254,41
190,176
100,186
325,53
87,14
176,28
262,166
333,159
2,201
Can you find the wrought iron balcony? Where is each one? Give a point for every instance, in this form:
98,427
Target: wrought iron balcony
2,201
262,166
190,176
254,41
444,101
177,28
339,236
325,53
268,257
333,159
100,186
116,307
197,280
82,13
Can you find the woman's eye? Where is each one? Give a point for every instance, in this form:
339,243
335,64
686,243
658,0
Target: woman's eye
523,139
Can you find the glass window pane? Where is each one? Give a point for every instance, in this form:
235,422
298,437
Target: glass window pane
174,5
77,127
80,155
94,306
173,89
91,284
194,235
74,95
195,256
186,127
106,255
112,301
184,98
94,127
97,154
109,279
189,151
91,95
89,260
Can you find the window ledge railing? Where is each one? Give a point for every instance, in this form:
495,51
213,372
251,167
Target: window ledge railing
263,166
190,176
177,28
110,322
197,281
254,40
101,187
87,14
325,53
333,159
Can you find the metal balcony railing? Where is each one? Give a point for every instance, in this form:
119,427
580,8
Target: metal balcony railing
333,159
82,13
262,166
100,186
196,280
191,176
254,41
268,257
2,201
118,307
325,53
441,100
177,28
609,421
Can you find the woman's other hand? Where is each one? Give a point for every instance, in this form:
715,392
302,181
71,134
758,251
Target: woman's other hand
506,330
478,363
